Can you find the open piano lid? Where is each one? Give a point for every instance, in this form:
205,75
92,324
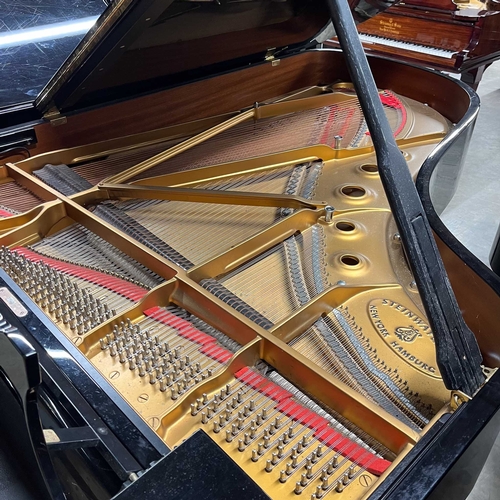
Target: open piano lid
139,46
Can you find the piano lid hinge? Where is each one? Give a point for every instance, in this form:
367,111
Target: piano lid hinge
55,118
458,398
271,56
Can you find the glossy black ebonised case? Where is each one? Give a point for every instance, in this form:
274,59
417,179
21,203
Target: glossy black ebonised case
104,448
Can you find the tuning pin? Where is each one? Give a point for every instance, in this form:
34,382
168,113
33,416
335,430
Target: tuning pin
340,487
324,483
309,472
241,445
350,471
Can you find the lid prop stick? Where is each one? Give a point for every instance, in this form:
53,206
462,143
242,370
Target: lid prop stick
458,355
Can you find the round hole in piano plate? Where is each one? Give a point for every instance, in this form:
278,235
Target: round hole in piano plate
350,260
353,191
345,226
369,168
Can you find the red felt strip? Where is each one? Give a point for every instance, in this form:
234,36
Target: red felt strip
185,329
322,431
392,101
4,213
364,458
218,353
117,285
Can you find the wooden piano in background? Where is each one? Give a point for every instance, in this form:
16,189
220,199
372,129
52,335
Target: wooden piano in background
458,37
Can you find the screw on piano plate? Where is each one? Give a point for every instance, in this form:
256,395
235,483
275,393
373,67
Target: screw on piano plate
143,398
338,142
329,211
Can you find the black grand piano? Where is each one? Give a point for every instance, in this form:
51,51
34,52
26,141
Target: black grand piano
207,284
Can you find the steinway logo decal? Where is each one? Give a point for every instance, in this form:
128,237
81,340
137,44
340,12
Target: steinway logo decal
406,333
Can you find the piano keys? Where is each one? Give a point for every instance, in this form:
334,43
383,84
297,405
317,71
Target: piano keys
461,37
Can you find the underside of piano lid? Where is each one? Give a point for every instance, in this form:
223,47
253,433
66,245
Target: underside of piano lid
239,275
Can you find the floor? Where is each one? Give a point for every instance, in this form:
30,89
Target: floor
473,216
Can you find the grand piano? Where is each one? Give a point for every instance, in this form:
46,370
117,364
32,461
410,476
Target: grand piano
203,290
454,36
